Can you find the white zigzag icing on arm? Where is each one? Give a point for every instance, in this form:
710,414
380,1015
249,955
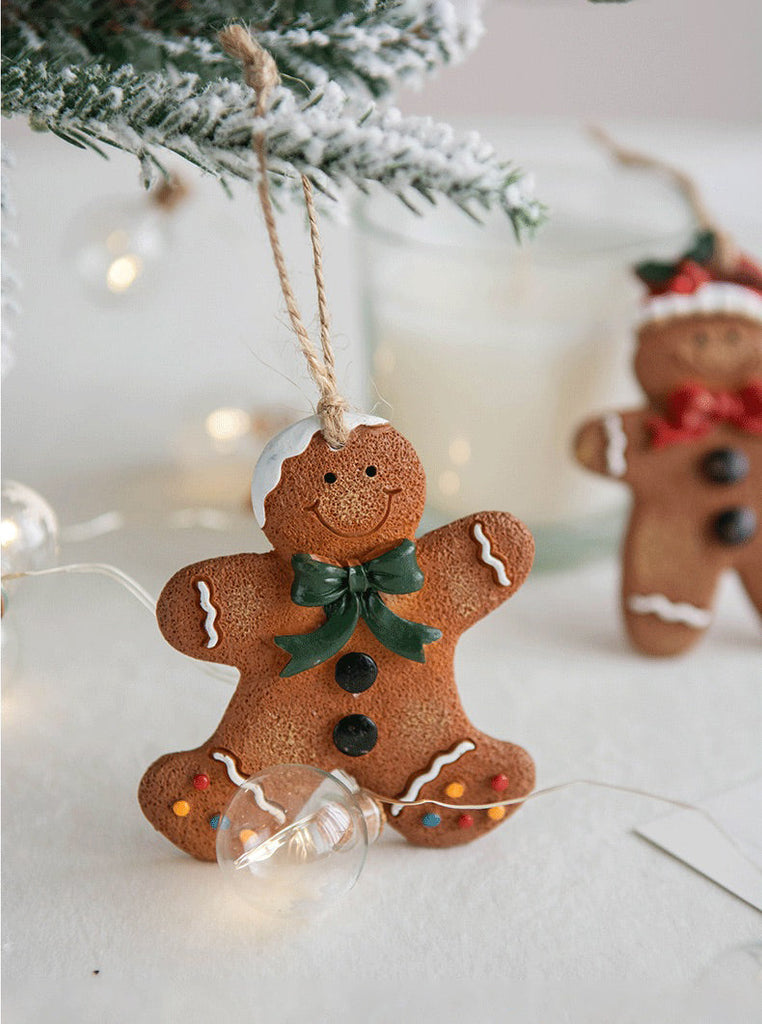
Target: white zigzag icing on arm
616,444
488,558
253,787
669,611
211,612
437,765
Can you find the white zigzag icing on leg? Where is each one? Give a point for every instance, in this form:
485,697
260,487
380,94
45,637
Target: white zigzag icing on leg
437,765
253,787
487,557
669,611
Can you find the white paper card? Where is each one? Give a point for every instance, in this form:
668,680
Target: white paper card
734,864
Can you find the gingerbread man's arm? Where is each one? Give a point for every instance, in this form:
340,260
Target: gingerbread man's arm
472,565
612,444
208,609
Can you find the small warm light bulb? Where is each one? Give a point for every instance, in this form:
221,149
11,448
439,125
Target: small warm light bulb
295,838
449,482
228,424
459,451
9,532
28,529
123,272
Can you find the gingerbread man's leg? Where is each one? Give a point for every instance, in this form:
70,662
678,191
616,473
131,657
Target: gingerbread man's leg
670,575
750,571
180,790
474,770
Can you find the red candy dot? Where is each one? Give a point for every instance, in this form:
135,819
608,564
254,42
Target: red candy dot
201,781
499,782
465,821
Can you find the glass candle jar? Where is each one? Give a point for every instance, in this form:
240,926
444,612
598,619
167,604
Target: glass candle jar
487,354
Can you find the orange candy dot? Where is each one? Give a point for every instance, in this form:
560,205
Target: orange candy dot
496,813
455,790
181,808
246,834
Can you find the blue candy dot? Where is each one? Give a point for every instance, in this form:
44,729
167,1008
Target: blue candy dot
214,820
431,820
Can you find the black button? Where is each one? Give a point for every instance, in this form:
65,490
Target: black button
735,526
355,735
725,466
355,672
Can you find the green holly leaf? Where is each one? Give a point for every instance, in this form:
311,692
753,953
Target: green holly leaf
702,249
655,272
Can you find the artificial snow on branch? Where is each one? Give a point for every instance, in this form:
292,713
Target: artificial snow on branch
147,75
211,125
369,46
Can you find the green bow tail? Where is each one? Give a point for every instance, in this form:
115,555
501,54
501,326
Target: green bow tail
348,594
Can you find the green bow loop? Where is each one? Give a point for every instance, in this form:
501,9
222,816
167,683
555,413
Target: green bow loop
348,593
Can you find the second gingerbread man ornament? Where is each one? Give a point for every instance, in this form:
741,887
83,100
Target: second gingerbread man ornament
693,454
344,635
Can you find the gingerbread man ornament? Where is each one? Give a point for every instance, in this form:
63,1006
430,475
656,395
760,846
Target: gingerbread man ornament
344,635
693,454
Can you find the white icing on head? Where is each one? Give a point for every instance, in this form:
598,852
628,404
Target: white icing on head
712,297
285,445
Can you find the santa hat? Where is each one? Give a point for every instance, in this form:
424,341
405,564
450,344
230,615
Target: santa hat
697,285
285,445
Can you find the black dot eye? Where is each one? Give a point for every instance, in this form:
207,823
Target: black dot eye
330,478
701,338
733,336
370,471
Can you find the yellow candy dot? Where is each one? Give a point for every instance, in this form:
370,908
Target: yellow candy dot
455,789
245,835
181,808
496,813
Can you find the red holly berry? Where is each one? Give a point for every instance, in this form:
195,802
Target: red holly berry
688,276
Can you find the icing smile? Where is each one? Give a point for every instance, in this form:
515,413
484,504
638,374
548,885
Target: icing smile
700,363
356,533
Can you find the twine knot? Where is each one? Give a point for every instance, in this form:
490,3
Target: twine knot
260,72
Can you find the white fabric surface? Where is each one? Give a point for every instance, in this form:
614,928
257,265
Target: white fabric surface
562,914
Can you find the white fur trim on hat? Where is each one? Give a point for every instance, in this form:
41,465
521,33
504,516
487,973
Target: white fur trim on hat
712,297
285,445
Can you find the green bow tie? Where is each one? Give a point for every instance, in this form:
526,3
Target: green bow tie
346,594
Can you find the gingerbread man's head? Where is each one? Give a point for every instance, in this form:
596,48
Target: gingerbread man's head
343,505
701,324
720,351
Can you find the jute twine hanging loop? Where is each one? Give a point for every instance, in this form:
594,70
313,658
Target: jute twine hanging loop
726,252
261,74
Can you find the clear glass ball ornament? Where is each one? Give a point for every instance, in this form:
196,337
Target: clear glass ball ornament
28,529
294,839
117,246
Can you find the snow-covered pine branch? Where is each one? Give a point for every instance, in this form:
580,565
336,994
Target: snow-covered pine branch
367,46
322,136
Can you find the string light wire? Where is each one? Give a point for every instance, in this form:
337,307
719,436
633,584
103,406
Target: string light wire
226,673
